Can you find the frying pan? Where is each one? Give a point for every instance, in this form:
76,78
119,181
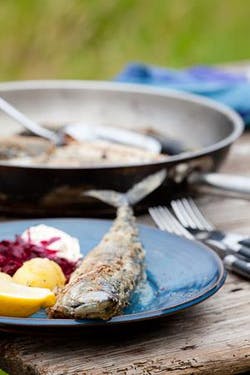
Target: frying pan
206,128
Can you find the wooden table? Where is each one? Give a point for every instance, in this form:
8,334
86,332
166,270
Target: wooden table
210,338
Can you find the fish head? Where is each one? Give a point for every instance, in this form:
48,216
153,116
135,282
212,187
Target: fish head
91,302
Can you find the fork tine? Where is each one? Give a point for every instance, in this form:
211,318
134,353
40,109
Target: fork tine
203,221
154,214
165,220
190,216
179,229
166,217
182,214
175,208
193,215
162,223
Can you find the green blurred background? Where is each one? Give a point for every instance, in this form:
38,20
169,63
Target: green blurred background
94,39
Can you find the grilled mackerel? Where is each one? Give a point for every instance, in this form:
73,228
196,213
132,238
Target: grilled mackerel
102,285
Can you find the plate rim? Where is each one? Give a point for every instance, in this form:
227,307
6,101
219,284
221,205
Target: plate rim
15,322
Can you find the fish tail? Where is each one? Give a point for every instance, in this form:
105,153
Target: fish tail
133,195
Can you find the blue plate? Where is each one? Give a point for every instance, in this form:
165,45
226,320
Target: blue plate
180,273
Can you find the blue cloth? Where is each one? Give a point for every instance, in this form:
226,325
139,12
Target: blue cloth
228,88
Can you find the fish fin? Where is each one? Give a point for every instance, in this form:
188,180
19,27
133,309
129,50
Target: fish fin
145,187
133,195
113,198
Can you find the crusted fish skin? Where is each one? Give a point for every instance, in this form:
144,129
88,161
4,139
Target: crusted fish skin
101,286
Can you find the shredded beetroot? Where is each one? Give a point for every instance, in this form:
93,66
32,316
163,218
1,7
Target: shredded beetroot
14,253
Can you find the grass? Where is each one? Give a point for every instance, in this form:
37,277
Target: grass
94,39
2,372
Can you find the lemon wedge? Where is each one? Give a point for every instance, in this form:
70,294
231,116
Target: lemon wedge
22,301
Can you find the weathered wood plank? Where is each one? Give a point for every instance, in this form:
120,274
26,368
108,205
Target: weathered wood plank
211,338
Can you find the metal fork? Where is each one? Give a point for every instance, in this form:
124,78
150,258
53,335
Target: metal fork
189,215
194,221
165,220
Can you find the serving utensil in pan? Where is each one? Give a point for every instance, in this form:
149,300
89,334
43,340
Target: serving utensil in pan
81,132
207,130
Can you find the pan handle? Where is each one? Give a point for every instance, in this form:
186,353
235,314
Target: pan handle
221,181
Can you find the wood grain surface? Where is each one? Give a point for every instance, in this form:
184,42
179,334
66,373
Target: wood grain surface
210,338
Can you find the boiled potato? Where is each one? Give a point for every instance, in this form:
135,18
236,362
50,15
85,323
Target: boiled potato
40,272
5,276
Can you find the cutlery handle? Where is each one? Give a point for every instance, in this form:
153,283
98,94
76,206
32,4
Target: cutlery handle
244,251
239,249
27,122
245,242
237,265
233,183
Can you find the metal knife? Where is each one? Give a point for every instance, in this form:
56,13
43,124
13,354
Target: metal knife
231,262
235,243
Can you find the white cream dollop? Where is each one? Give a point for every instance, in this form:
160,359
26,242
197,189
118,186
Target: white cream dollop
67,247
